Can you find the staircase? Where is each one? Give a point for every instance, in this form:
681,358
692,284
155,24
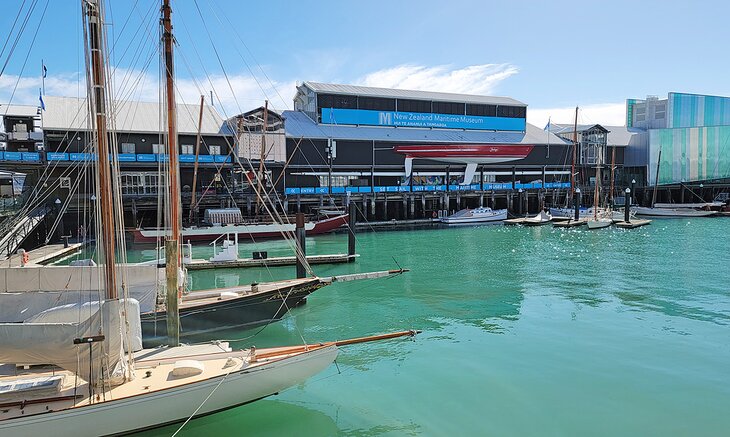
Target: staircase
14,230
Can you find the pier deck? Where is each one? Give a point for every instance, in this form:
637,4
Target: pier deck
277,261
632,224
44,253
569,223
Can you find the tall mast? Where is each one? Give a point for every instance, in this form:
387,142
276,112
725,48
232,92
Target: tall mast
575,151
262,156
596,192
613,169
172,246
197,152
95,26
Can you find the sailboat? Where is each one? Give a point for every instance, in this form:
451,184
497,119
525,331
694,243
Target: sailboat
602,220
86,374
662,210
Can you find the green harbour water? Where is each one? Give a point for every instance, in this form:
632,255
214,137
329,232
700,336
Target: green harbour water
526,331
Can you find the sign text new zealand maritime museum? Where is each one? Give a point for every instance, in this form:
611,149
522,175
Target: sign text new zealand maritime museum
417,119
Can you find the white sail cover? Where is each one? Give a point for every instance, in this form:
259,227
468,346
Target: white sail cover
26,292
53,343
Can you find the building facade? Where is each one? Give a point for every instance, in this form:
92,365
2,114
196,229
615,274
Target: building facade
689,137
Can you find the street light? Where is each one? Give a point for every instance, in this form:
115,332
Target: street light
631,199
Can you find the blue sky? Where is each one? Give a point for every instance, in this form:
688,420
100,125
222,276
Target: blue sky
550,55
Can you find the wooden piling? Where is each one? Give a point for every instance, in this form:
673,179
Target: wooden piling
301,247
351,234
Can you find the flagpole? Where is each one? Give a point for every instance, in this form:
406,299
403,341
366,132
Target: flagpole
43,76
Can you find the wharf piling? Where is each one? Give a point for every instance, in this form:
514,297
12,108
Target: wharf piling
301,248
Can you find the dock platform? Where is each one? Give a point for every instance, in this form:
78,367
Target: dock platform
569,223
515,221
42,254
631,224
278,261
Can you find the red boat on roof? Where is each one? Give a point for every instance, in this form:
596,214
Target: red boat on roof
466,153
244,231
469,154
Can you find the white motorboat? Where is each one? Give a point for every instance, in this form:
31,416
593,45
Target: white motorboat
672,212
476,215
542,218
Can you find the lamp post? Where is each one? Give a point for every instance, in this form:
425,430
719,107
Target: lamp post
576,203
519,200
627,204
60,217
633,193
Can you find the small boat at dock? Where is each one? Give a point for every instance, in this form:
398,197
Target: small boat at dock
672,212
476,215
542,218
244,231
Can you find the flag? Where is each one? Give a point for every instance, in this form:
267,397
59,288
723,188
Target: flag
547,126
45,71
40,97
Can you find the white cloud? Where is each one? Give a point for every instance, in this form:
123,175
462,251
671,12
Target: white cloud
246,92
473,79
610,114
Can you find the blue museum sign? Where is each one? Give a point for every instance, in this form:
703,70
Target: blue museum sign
417,119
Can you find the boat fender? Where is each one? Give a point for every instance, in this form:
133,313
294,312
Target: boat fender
185,368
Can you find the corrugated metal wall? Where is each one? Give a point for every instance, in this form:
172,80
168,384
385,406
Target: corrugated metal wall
689,154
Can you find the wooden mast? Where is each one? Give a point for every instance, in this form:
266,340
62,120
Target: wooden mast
262,156
575,151
613,169
596,192
197,152
656,178
98,98
172,246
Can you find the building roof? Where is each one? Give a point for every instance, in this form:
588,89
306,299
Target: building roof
70,113
299,125
331,88
18,110
617,135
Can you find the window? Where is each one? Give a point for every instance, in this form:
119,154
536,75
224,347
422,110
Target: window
158,149
448,108
481,110
414,105
376,104
214,150
187,149
128,148
139,183
336,101
511,111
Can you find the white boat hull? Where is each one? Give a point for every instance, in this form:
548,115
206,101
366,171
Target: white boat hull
570,212
176,404
491,216
599,224
672,212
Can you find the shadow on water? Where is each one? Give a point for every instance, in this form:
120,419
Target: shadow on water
262,418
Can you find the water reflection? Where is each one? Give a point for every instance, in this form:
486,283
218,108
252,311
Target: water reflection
262,418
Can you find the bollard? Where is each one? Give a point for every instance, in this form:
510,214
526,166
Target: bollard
627,204
301,247
351,234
